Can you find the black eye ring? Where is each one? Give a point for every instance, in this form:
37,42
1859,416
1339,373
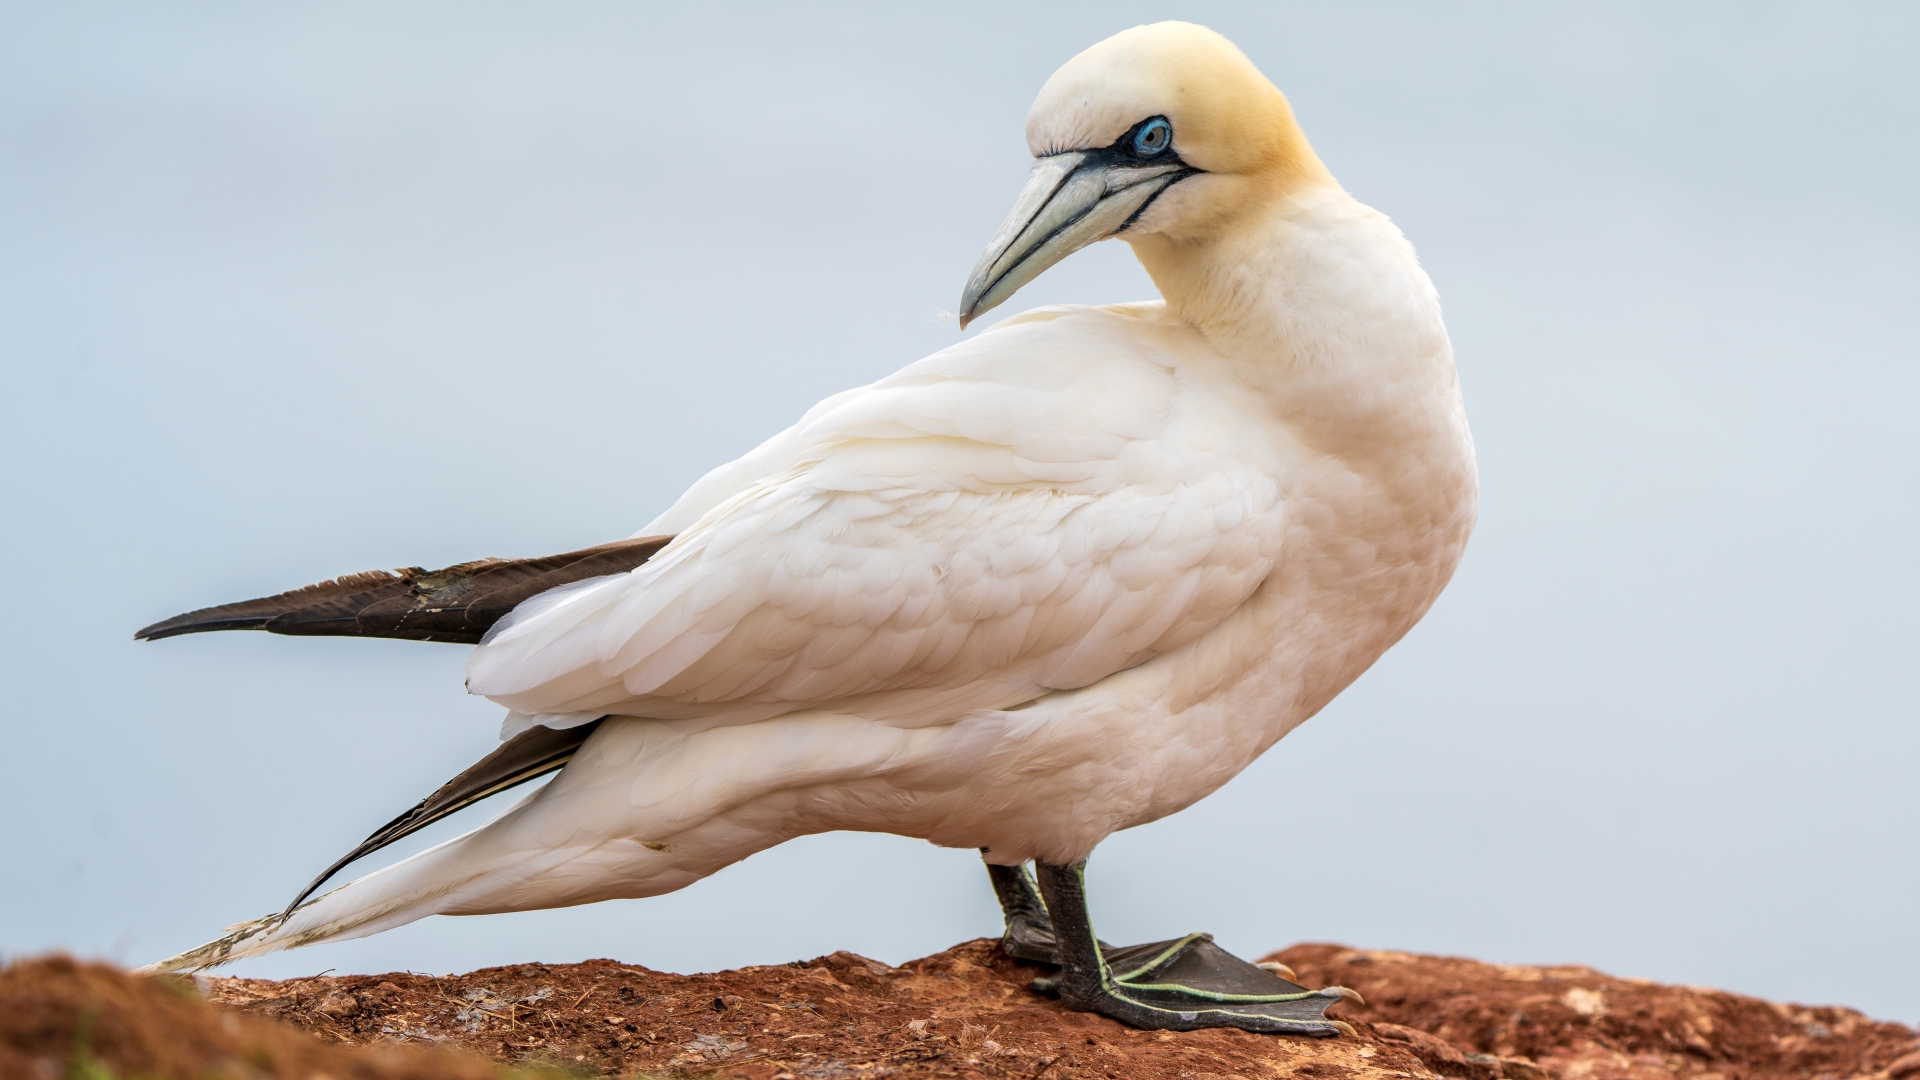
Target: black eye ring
1152,138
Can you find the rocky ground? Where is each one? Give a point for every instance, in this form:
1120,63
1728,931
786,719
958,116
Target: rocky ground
966,1012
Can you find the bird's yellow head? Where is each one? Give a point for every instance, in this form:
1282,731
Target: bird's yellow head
1165,130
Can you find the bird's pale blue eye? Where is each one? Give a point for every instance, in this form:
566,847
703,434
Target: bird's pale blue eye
1153,137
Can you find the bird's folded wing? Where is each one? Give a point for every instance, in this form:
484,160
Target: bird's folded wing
1032,510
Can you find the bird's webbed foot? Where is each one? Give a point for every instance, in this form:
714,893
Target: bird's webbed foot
1192,983
1178,985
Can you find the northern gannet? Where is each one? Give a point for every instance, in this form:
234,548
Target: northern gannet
1063,578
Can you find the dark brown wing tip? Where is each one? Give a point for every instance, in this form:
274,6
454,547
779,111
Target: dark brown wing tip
256,614
195,622
457,604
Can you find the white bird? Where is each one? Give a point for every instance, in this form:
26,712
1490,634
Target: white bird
1063,578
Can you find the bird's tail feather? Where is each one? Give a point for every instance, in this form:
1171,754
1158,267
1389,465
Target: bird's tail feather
642,808
528,756
305,925
425,884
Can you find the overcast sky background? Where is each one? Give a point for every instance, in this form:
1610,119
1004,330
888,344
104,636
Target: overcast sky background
293,290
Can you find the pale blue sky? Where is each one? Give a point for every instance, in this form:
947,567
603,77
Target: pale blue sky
292,290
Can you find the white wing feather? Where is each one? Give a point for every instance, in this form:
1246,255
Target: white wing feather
1031,510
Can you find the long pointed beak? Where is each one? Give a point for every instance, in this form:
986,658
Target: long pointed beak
1070,200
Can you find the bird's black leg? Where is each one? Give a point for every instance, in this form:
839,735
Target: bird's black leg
1029,932
1177,985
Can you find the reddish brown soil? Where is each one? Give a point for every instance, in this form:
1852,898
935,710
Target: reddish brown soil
966,1012
62,1020
1576,1022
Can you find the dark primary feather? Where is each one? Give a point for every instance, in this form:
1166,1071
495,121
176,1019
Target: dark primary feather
527,756
457,604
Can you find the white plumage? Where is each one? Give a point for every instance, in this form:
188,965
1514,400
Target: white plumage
1032,510
1065,577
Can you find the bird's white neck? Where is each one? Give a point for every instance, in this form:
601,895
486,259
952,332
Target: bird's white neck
1322,310
1322,306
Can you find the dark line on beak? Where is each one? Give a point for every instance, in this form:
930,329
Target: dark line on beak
1015,242
1031,248
1135,216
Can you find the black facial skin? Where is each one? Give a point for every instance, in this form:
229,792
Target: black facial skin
1137,146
